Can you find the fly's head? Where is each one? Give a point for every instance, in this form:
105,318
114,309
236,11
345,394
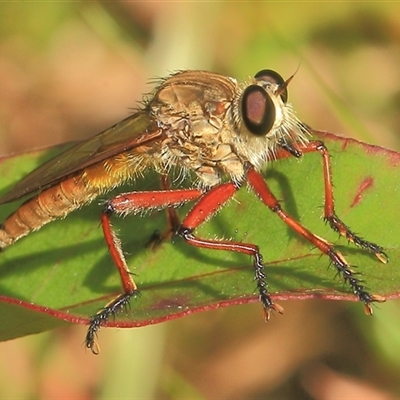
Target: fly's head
263,118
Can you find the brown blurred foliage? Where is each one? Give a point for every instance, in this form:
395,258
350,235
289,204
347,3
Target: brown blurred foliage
68,70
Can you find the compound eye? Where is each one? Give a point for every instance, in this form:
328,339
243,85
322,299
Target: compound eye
268,76
258,110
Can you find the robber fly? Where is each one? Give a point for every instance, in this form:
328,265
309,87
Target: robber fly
203,124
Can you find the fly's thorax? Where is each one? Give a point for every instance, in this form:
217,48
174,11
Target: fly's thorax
192,108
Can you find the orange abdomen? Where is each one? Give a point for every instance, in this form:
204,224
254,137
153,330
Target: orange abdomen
53,203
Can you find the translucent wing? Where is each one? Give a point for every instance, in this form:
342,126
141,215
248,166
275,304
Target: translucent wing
131,132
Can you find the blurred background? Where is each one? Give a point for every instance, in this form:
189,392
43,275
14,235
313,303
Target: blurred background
70,69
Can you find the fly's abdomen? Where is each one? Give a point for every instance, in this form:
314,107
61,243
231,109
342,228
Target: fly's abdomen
54,203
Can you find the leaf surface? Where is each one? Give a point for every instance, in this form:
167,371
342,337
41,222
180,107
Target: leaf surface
63,272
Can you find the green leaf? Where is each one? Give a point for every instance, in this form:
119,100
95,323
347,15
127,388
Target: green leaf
63,272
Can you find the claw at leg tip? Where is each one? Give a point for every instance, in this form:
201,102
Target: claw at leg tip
382,257
277,308
274,307
267,314
368,309
378,299
94,347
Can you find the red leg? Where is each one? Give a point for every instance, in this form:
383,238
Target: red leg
173,220
129,203
261,188
172,216
207,206
329,208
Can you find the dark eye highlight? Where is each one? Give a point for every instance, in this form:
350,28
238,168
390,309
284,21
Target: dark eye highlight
258,110
271,77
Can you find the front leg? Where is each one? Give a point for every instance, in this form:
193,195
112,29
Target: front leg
342,266
330,216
